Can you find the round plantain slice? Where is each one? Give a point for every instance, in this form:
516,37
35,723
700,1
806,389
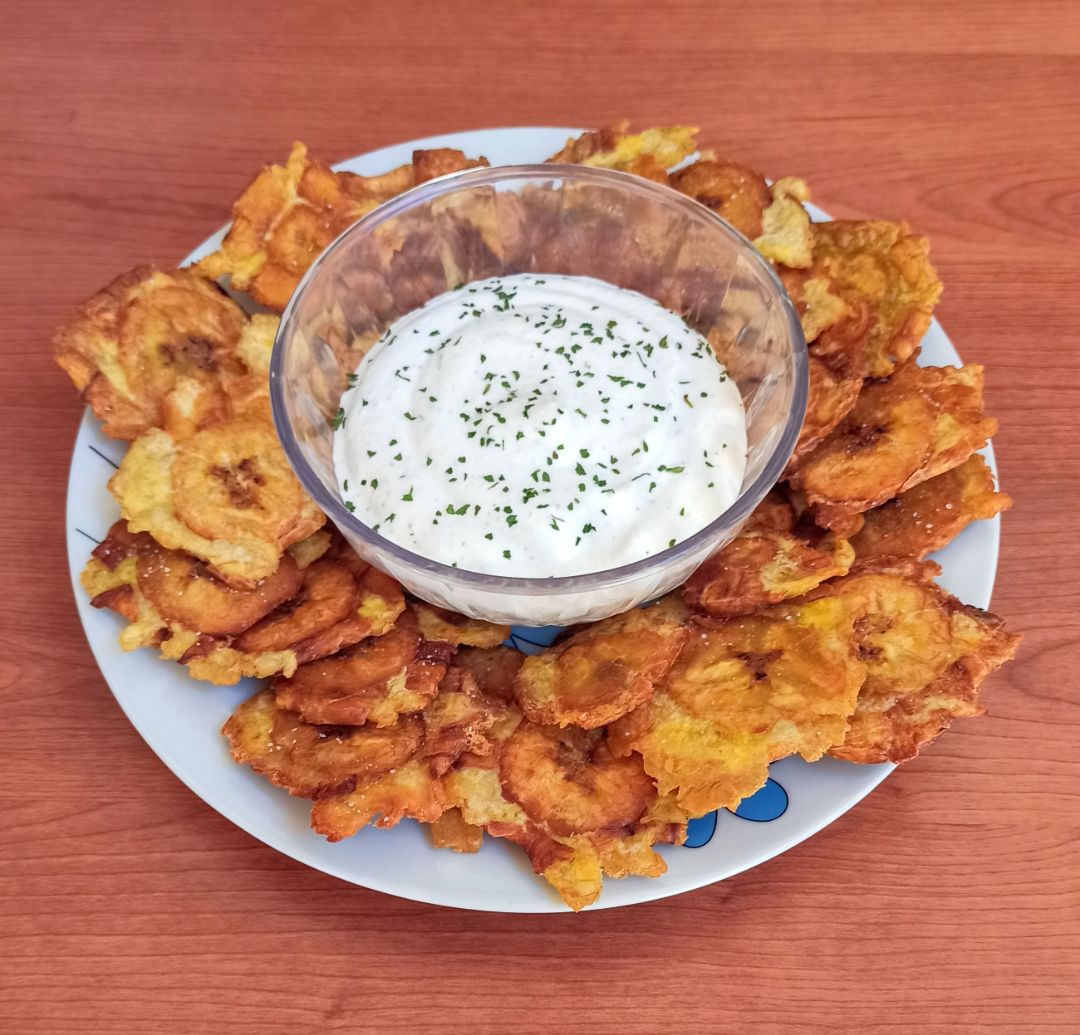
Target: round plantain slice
315,761
184,592
602,672
736,193
373,681
881,443
829,401
568,780
493,668
437,623
763,567
328,595
251,504
233,479
151,350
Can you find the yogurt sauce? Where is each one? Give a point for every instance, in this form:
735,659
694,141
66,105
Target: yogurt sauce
538,426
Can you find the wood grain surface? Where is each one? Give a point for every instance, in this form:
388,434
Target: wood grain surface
946,902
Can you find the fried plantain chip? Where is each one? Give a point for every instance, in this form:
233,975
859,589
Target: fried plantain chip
458,721
906,629
574,865
759,568
289,214
602,672
315,761
568,780
407,792
615,147
743,693
451,831
328,594
112,579
157,348
286,216
920,422
381,602
882,443
785,235
226,495
493,668
829,400
814,296
961,426
734,192
436,623
774,513
184,592
886,266
440,161
374,681
925,518
894,726
901,629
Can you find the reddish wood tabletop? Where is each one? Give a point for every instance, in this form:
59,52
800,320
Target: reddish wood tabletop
947,901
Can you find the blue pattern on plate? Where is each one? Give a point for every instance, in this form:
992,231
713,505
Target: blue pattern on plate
532,639
763,806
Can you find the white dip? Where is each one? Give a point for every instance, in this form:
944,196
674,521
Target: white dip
537,426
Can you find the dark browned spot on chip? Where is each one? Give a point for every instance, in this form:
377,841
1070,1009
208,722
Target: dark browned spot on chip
241,482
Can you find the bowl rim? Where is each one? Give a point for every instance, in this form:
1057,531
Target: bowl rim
733,516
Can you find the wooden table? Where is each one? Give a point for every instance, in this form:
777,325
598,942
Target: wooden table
947,901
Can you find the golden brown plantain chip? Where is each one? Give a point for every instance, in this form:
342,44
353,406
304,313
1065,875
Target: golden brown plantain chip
315,761
568,780
886,266
458,721
893,727
493,668
381,603
882,443
328,595
288,214
925,518
436,623
906,629
440,161
734,192
774,513
184,592
375,681
602,672
901,631
829,400
407,792
573,865
615,147
815,299
226,495
451,831
785,236
759,568
156,348
918,423
743,693
961,426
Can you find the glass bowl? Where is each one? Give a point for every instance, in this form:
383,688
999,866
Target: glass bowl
570,219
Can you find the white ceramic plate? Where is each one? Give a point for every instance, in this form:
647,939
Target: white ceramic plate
180,718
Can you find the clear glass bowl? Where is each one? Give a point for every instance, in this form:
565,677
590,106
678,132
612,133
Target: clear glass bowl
626,230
